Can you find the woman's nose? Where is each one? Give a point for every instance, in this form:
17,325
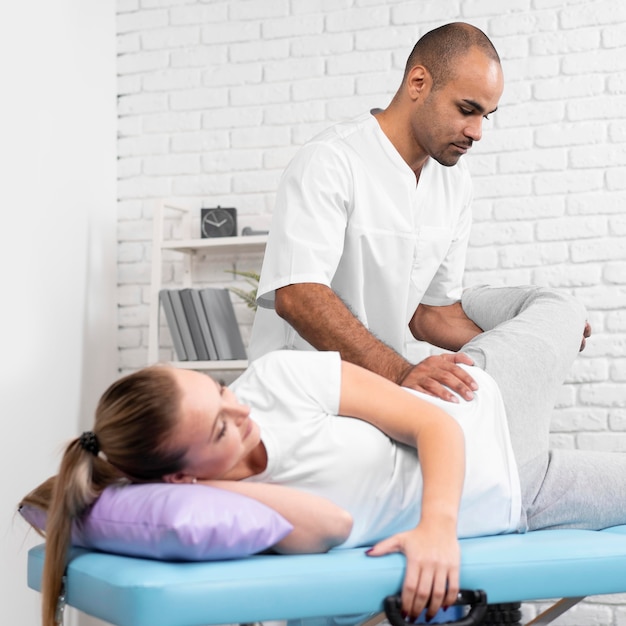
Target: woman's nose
238,412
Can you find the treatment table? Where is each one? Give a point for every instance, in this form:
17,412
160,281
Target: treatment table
125,591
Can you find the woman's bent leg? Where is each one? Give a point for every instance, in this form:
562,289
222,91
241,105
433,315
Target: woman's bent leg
531,338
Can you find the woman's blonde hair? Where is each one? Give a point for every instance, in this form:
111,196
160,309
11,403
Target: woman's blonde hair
134,420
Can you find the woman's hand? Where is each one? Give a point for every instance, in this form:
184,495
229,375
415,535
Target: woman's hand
433,558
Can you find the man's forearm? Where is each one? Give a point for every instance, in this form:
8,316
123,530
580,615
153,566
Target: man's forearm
446,327
320,317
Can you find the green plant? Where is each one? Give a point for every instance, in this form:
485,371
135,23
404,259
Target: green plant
249,297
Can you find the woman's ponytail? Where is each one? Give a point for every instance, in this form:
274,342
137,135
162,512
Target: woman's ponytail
72,492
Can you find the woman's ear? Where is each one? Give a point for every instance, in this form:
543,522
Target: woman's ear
177,478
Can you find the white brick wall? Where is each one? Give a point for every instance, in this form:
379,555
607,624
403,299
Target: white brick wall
214,99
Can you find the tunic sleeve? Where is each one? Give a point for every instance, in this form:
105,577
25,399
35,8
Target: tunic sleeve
309,221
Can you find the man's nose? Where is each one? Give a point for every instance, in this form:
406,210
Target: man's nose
474,130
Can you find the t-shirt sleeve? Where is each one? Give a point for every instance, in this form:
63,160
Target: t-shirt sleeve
293,382
309,221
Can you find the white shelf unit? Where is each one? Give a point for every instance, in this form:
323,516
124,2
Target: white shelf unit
189,248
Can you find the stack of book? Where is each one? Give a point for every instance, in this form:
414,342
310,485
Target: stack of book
202,324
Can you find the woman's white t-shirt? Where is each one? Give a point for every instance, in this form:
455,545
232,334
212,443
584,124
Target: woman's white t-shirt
295,398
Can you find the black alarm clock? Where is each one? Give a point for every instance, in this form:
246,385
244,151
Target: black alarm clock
218,222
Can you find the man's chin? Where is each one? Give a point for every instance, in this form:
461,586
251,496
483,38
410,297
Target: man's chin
448,161
451,155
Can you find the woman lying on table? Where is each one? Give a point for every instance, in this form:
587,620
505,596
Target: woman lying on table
351,459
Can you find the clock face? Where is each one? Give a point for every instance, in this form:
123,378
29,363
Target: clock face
218,222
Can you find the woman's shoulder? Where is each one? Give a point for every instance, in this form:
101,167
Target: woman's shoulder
293,377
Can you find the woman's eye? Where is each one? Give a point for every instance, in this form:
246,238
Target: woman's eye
222,430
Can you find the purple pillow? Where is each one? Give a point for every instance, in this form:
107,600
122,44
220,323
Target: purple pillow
174,522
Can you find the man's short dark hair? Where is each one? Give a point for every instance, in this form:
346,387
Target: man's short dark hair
439,49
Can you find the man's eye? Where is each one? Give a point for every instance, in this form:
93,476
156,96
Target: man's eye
467,111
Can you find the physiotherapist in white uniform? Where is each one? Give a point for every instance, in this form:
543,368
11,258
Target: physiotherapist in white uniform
372,220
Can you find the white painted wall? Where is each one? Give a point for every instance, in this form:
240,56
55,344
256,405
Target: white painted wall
57,250
215,97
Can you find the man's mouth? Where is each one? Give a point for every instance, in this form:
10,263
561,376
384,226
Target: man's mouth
463,148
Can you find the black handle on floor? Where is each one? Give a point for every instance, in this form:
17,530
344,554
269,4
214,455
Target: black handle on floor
475,599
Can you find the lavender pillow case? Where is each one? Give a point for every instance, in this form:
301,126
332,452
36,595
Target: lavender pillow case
174,522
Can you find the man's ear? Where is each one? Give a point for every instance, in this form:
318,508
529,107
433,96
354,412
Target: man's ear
177,478
418,81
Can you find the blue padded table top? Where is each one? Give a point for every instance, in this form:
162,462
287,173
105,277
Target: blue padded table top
140,592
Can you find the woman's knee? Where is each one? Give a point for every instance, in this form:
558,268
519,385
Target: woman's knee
489,306
566,308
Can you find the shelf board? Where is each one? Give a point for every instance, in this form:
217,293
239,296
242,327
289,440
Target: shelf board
246,244
220,366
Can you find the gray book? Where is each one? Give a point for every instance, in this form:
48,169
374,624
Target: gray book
172,324
183,325
194,324
220,315
204,325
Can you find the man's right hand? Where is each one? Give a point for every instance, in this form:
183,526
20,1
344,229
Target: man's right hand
437,375
309,306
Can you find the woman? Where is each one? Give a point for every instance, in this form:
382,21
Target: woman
286,422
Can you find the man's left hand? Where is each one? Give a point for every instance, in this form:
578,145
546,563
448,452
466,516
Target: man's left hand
586,335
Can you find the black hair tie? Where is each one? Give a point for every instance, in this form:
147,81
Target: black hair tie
89,442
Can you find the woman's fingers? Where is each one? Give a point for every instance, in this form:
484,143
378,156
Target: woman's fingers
416,591
431,581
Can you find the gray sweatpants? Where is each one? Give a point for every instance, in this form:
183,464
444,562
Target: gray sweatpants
531,338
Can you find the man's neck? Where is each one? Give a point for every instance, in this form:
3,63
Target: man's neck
417,173
400,136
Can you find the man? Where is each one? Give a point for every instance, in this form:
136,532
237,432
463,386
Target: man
372,221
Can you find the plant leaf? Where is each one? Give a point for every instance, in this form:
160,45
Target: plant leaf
249,297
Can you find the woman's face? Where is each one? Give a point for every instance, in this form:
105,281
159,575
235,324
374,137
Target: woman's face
214,428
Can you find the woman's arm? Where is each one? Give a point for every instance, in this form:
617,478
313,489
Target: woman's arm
318,524
431,549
